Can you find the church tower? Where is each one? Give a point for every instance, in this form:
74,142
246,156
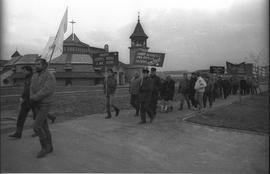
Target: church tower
138,41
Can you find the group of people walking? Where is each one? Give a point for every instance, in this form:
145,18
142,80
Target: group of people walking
197,91
39,87
145,92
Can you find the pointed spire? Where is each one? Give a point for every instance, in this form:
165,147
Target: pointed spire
16,53
138,31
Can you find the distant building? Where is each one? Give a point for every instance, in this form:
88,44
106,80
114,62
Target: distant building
2,63
8,69
75,65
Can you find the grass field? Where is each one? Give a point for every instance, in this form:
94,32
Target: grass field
251,115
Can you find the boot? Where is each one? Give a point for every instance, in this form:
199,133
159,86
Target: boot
137,113
52,118
45,148
108,115
18,133
116,111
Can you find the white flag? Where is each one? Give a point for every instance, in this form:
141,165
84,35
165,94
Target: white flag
54,45
47,51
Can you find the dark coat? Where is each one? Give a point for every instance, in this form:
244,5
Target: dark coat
184,87
168,90
26,89
145,90
191,85
156,83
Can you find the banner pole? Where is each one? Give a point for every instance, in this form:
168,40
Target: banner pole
240,95
106,80
51,57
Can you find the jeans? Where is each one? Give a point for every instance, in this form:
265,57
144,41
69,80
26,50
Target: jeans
199,99
41,125
145,108
25,108
184,97
153,103
134,101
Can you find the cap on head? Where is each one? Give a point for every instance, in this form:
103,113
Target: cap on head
153,69
43,61
145,71
110,70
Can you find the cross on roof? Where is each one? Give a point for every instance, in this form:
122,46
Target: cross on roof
72,22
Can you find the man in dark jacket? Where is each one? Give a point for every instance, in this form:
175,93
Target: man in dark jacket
109,90
243,85
156,84
24,102
145,98
192,82
134,89
184,90
168,93
42,89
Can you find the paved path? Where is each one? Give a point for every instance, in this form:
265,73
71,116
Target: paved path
93,144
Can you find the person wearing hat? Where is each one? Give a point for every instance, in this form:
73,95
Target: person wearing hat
42,90
134,92
25,105
145,93
109,90
192,91
184,91
156,84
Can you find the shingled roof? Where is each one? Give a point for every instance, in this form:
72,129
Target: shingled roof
76,42
27,59
73,59
138,32
13,61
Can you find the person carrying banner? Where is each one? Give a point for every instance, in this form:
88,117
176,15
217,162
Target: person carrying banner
184,91
156,84
145,97
200,88
134,89
42,89
109,90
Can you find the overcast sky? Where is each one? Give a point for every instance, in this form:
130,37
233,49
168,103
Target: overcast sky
193,34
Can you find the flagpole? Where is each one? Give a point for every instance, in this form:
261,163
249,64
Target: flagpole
51,56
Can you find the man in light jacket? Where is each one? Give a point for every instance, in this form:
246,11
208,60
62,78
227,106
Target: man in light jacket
42,88
200,88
